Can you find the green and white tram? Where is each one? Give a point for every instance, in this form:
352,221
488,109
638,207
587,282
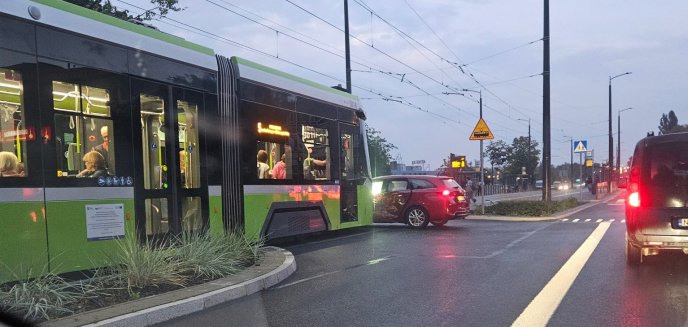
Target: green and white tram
110,129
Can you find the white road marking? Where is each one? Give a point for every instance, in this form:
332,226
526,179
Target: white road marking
620,201
611,220
371,262
565,219
540,310
623,221
587,220
598,220
576,220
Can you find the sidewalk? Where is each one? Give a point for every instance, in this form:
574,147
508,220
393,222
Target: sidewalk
274,266
589,197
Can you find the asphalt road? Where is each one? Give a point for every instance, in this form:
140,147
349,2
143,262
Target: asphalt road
569,272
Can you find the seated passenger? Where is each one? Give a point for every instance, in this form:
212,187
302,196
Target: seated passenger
8,164
95,165
263,169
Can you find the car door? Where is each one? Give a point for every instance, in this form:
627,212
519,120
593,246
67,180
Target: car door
393,199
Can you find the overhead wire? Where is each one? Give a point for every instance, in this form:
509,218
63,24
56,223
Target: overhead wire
196,30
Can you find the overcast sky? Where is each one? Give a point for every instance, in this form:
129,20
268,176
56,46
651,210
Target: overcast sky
490,40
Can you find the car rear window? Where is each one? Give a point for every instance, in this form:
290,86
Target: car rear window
668,175
451,183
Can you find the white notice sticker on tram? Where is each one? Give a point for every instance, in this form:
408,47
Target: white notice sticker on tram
104,221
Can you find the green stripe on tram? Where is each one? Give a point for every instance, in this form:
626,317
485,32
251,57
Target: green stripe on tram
88,13
242,61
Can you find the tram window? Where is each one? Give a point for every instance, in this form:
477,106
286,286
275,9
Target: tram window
316,166
189,156
154,155
347,156
82,124
157,216
273,161
13,132
191,214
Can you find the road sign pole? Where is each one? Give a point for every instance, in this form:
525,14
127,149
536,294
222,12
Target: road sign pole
482,171
580,176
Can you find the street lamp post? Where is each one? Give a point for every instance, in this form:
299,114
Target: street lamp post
528,160
571,166
482,170
611,140
618,139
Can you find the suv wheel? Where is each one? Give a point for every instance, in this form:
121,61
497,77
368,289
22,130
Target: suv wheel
417,217
634,256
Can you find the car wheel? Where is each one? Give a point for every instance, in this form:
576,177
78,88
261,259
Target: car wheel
417,217
634,256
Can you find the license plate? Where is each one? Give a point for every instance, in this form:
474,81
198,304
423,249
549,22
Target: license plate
683,222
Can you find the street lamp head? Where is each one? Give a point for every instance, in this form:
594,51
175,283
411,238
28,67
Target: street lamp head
622,110
626,73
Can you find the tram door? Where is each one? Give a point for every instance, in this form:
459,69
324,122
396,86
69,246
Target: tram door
171,196
349,180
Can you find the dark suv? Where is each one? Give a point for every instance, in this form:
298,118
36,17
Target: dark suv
418,200
657,197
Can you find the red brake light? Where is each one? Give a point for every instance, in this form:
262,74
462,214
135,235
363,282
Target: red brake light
446,193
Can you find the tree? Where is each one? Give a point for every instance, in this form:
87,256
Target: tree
380,151
521,155
498,152
161,9
667,123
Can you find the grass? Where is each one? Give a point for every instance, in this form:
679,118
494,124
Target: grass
204,256
134,270
530,208
43,297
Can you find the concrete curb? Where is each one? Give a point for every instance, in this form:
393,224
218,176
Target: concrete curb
563,214
275,265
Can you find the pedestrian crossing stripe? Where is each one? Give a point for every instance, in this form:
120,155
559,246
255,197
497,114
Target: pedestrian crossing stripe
593,220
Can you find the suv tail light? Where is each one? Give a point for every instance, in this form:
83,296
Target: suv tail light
633,198
446,192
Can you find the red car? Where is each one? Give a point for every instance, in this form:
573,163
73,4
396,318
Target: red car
418,200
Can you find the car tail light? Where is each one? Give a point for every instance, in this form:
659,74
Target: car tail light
446,193
633,188
461,198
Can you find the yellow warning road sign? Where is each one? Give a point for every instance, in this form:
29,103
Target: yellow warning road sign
481,131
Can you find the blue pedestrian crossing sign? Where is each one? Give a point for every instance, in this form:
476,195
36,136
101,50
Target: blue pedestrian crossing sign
580,146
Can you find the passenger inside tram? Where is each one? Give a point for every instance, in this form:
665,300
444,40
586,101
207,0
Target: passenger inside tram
9,165
95,165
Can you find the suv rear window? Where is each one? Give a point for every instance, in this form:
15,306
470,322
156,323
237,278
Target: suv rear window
668,175
451,183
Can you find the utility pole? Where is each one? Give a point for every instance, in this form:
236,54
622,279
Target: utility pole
530,182
546,146
347,50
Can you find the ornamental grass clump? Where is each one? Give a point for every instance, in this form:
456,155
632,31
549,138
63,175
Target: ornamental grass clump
138,266
43,297
206,256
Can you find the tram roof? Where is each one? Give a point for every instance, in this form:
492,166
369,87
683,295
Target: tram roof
84,21
263,74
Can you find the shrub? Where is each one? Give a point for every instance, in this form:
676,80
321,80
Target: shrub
530,208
